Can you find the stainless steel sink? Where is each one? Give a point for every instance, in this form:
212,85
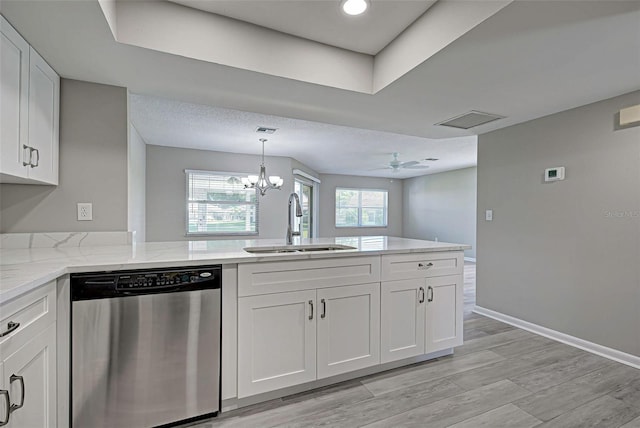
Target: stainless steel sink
297,248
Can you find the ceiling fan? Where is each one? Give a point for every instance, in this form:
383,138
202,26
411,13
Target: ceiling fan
396,165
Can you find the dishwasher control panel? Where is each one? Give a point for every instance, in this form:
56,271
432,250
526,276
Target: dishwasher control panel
135,282
159,280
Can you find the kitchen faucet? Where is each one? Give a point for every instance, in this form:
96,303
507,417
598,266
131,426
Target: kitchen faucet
290,232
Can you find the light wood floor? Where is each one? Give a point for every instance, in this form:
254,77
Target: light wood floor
501,377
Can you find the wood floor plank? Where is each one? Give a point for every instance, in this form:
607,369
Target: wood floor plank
439,369
457,408
629,393
513,367
507,416
288,411
560,371
552,402
525,346
380,407
488,342
603,412
632,424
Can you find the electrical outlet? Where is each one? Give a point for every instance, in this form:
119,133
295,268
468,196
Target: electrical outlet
85,211
488,215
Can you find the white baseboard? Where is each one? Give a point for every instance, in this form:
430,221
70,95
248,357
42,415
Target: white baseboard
470,259
594,348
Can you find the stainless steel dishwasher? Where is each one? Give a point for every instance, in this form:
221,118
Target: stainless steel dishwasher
145,347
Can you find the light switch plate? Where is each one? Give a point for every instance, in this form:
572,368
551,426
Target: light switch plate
488,215
85,211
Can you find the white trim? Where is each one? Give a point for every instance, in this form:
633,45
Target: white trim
301,173
594,348
470,259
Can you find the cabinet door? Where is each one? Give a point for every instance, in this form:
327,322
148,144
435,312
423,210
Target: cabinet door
276,341
402,325
14,78
444,312
44,107
348,328
35,363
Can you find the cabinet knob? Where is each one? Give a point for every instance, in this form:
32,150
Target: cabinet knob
324,308
430,294
11,326
423,266
26,148
311,305
20,379
7,406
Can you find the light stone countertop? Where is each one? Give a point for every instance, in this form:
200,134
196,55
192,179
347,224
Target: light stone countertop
24,269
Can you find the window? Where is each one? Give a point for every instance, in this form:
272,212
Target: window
304,190
361,208
218,204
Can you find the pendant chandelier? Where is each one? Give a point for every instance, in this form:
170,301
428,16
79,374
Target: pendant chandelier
260,181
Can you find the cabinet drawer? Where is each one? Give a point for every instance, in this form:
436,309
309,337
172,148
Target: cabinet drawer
277,277
33,312
421,265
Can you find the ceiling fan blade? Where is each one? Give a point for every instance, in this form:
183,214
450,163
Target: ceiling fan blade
408,164
417,167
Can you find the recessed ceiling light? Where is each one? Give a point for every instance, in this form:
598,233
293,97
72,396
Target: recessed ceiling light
354,7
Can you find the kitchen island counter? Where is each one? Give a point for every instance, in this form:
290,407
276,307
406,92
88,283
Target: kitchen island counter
22,270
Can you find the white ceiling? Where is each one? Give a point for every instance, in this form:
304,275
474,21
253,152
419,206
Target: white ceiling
328,149
323,20
530,59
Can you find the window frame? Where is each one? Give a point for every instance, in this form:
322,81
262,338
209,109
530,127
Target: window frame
360,207
187,201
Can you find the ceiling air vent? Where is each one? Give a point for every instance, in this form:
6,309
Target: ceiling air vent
470,119
265,130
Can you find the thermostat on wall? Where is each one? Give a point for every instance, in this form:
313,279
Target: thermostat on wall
554,174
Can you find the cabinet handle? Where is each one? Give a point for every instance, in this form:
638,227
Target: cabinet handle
324,308
421,294
7,406
311,305
37,152
20,379
11,326
24,156
423,266
430,290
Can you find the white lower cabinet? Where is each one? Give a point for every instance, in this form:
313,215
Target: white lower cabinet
28,359
348,328
29,376
276,341
420,316
403,314
286,339
445,304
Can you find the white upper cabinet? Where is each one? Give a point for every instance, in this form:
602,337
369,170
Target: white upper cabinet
14,109
29,113
44,110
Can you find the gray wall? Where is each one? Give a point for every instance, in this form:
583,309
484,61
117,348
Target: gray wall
93,167
442,206
327,219
137,171
166,189
564,255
